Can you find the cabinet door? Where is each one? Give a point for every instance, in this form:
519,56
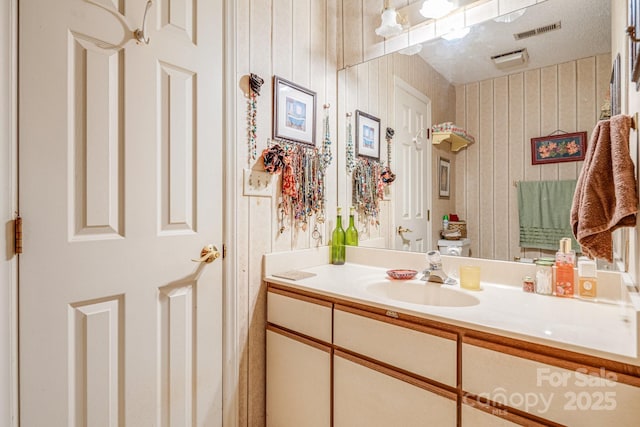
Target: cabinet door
572,396
298,381
369,395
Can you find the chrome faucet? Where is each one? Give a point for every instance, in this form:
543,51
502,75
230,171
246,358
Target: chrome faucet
434,273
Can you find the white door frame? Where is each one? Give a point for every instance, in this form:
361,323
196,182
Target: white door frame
231,346
9,403
8,205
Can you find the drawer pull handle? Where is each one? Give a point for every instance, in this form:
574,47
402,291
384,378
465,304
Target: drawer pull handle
392,314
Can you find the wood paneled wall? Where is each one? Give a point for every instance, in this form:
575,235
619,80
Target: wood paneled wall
504,114
296,40
370,87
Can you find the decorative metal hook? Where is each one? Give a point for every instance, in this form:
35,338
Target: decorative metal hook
141,34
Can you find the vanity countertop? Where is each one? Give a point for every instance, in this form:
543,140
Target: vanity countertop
605,330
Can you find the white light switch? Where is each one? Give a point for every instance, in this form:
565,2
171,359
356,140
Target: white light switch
257,183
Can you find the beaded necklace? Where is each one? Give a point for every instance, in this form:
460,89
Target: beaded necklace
351,158
368,189
255,83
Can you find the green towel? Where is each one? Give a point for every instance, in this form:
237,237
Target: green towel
544,208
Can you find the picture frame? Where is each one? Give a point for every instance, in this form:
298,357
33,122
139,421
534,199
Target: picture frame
367,136
294,112
634,47
565,147
444,178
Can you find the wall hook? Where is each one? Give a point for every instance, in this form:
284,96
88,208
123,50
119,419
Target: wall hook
141,33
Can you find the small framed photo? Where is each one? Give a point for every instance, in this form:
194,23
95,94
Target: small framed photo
444,178
367,136
567,147
294,112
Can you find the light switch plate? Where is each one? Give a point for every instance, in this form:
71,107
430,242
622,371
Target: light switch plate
257,183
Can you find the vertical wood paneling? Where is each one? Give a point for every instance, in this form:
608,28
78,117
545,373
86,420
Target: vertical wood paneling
549,114
501,182
567,96
473,168
532,116
297,41
516,156
352,31
485,144
524,106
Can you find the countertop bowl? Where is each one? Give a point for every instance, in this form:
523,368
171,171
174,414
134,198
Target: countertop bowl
402,274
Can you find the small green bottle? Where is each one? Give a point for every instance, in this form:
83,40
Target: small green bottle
337,241
351,234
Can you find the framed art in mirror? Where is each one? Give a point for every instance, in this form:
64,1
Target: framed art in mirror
634,46
367,136
444,178
566,147
294,112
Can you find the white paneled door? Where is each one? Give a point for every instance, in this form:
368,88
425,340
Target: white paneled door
412,157
120,188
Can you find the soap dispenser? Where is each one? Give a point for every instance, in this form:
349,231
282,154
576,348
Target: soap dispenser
565,260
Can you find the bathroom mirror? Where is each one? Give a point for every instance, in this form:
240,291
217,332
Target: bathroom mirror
560,88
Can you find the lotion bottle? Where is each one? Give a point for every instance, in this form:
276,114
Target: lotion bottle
565,260
587,280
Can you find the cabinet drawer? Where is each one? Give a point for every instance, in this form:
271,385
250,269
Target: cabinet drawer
568,396
415,349
365,394
304,315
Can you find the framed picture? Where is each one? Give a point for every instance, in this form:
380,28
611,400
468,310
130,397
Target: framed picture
634,47
444,178
566,147
367,135
294,112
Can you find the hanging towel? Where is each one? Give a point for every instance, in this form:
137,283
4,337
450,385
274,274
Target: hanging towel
544,208
606,195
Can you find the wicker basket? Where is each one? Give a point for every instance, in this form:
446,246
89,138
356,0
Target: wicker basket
461,226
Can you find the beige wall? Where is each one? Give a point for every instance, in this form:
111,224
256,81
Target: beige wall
370,87
504,114
296,40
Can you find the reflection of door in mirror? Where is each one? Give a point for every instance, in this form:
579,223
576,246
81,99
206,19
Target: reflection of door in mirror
412,154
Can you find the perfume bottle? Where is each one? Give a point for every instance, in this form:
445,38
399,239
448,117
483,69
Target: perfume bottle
565,260
337,241
351,234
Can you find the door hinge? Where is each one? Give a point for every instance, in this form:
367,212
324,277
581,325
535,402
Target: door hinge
224,251
17,234
428,214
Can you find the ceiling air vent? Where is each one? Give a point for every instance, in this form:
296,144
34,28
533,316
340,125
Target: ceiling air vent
538,31
511,59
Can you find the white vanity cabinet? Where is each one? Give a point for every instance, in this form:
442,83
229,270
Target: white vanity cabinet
549,388
369,395
298,361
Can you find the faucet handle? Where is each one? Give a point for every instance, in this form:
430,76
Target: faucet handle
433,257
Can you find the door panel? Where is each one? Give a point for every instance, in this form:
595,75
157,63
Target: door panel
121,186
411,188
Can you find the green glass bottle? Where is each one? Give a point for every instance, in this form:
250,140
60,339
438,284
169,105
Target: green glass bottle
337,241
351,234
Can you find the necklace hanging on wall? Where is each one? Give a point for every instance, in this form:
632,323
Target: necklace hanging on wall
387,175
255,83
351,157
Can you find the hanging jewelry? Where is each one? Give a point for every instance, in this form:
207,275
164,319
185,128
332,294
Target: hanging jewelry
255,83
387,175
325,155
351,157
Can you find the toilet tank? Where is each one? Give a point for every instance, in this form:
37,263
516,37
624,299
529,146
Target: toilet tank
454,247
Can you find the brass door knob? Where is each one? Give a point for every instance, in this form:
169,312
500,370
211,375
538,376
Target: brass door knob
208,254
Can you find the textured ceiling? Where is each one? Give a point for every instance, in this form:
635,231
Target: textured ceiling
586,31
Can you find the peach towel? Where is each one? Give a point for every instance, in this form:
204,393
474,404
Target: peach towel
606,195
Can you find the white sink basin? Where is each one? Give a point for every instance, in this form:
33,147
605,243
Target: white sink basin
418,292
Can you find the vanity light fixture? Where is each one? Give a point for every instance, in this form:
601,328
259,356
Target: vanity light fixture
389,26
436,9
